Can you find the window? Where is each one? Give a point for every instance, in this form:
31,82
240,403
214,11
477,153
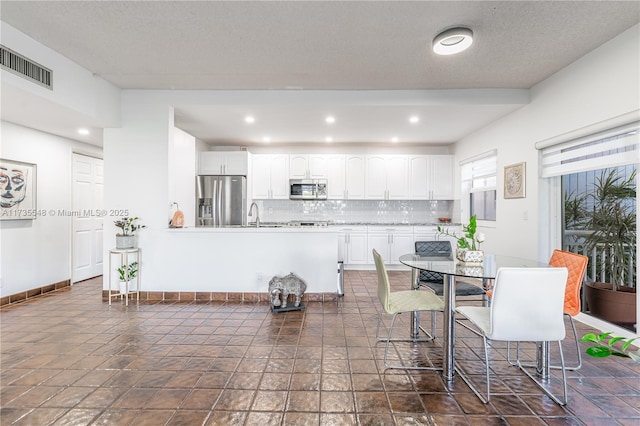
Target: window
479,186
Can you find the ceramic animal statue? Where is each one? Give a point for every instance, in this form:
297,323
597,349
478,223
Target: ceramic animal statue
284,286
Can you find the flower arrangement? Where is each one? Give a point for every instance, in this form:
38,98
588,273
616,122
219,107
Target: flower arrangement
600,350
128,225
470,240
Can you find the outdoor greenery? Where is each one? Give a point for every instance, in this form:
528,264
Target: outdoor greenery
608,216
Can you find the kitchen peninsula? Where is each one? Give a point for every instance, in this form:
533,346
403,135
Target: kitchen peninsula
242,260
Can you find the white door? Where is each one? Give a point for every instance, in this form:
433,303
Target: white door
376,179
298,166
87,219
357,249
396,177
261,177
236,163
442,177
336,177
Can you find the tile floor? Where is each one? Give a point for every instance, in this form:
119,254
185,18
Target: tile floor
69,358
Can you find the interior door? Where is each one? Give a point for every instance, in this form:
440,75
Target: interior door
87,218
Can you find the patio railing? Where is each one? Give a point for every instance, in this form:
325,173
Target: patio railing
596,270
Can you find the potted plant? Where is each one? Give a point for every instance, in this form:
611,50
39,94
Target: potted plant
126,274
611,245
601,350
469,243
128,225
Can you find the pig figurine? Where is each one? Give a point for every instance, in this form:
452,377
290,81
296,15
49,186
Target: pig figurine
284,286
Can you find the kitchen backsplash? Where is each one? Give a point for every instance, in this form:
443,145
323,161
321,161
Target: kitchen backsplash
357,211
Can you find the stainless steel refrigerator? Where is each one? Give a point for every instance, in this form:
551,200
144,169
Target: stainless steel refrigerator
221,201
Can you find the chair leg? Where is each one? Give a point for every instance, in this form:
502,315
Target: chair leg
467,380
429,337
555,367
388,341
557,400
575,336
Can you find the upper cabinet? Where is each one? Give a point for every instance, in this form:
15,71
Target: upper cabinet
431,177
223,163
345,175
441,177
311,166
270,176
386,177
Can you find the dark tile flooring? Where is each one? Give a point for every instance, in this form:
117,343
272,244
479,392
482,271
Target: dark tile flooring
69,358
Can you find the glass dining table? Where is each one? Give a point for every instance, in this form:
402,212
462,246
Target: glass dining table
484,273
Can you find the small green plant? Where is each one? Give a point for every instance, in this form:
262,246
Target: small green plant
128,272
604,346
469,240
128,225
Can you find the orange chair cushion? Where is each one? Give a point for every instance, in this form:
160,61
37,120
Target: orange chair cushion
576,264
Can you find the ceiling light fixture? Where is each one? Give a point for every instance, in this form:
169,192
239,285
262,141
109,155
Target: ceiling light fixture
328,139
249,119
83,131
453,41
394,139
266,139
330,119
414,119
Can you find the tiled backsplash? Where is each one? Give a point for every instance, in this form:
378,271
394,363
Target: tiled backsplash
355,211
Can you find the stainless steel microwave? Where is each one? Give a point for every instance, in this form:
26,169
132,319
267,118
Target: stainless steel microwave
307,189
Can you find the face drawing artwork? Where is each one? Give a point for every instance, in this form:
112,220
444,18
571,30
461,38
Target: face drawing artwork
13,186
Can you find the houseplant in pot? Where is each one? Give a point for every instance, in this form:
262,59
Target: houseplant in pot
126,274
468,250
129,225
608,217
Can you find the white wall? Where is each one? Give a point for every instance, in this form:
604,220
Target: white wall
601,85
36,253
182,171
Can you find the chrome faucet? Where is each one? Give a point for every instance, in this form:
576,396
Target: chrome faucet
257,213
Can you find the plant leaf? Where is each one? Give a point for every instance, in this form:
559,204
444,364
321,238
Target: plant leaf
599,351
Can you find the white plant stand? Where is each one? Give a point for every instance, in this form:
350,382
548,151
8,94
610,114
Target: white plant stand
124,257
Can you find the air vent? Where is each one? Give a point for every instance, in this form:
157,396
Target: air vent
24,67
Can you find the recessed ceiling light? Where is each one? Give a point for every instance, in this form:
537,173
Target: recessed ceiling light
83,131
330,119
452,41
414,119
394,139
249,119
328,139
266,139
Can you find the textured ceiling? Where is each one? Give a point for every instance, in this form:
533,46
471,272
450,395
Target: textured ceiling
329,45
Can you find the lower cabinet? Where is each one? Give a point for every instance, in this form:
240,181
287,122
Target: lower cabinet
390,242
352,245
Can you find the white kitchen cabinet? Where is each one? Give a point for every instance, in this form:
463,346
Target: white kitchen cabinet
352,245
336,177
441,177
270,176
386,177
308,166
346,175
390,241
223,163
431,177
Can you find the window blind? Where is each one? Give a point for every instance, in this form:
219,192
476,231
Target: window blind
613,147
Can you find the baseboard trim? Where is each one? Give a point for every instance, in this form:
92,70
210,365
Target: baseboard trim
33,293
191,296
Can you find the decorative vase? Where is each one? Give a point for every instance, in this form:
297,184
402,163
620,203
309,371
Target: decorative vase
124,287
470,256
125,241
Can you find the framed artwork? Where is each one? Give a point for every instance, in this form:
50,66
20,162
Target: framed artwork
515,181
17,190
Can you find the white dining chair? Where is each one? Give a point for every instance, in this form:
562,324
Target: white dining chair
527,306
